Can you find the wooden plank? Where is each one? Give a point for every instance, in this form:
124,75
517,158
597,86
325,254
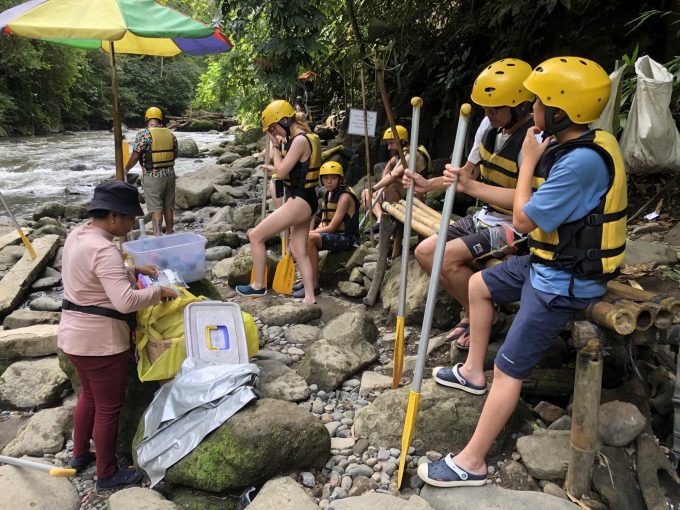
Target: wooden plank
12,238
17,282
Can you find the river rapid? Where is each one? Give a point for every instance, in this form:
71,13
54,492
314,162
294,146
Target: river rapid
65,168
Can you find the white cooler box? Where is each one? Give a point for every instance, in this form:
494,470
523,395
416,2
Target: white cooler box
214,332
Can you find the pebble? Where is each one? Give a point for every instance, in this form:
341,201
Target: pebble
313,388
394,452
389,468
359,470
335,479
308,479
323,504
317,407
338,493
332,427
433,456
346,483
347,422
383,454
384,478
352,383
344,433
295,351
370,462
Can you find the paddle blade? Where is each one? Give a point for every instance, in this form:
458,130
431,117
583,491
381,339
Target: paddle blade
398,353
27,244
407,435
284,275
125,149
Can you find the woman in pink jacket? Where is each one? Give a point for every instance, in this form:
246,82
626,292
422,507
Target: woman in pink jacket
96,324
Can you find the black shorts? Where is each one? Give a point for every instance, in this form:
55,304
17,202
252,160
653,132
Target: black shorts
306,194
484,242
278,188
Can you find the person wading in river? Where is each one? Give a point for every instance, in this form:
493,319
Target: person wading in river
156,149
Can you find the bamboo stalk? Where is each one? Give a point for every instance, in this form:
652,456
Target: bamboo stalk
643,317
610,316
422,218
427,209
400,216
662,316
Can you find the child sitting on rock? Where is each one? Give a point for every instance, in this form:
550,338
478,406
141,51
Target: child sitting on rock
339,225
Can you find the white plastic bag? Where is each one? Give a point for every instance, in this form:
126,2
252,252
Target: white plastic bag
610,114
650,141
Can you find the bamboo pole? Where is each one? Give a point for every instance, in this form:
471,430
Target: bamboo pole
427,209
420,216
662,316
400,215
643,317
622,290
584,424
610,316
367,152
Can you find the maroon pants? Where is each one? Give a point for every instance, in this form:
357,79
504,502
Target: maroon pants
102,392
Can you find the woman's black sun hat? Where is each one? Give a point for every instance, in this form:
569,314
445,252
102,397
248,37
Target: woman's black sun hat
116,196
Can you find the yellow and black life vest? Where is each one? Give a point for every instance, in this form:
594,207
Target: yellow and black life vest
592,247
349,224
500,168
305,175
162,153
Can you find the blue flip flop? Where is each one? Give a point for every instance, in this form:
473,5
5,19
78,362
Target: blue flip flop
451,377
445,473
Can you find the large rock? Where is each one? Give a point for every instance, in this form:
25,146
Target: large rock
545,453
620,423
302,334
245,162
289,313
278,381
491,497
237,269
616,482
638,252
673,236
45,304
246,216
373,501
446,419
30,341
446,309
45,432
331,266
33,383
193,189
49,210
139,499
262,440
282,493
227,158
187,148
27,489
349,327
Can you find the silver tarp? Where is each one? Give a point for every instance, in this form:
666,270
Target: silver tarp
202,397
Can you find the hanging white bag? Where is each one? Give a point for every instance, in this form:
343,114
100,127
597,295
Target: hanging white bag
650,142
609,119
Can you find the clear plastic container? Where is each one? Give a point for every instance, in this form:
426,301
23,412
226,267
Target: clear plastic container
214,332
183,252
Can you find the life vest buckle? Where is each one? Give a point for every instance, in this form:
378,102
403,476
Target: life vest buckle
594,219
593,254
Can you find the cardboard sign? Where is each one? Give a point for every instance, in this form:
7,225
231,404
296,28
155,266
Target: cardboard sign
356,122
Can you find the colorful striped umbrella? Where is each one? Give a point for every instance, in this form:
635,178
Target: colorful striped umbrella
140,27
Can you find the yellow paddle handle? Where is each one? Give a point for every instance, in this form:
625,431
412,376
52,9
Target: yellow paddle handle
398,364
27,244
62,472
407,435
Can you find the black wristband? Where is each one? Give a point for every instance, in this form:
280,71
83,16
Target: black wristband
277,147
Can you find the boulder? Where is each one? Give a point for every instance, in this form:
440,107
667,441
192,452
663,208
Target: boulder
280,382
32,383
545,453
491,497
333,266
446,419
45,230
75,212
45,283
225,237
238,268
220,199
227,158
548,412
620,423
193,189
282,493
357,257
351,326
218,253
187,148
205,288
49,210
24,489
289,313
11,254
373,501
45,304
264,439
192,499
639,252
44,432
302,334
446,308
245,162
246,216
139,499
371,381
30,341
616,481
351,289
514,476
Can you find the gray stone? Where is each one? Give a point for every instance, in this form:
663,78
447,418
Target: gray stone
246,216
222,216
44,432
302,334
545,453
356,276
245,162
33,383
23,317
446,419
563,423
554,490
548,412
45,304
349,327
238,268
620,423
491,497
193,189
45,230
673,236
283,494
624,492
638,252
514,476
187,148
218,253
10,255
227,158
220,199
28,489
369,269
358,256
187,217
45,283
359,470
290,313
351,289
361,485
278,381
374,501
264,354
75,212
371,381
139,499
49,210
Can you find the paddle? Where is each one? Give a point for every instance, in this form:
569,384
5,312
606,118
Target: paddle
398,364
285,269
24,239
46,468
414,395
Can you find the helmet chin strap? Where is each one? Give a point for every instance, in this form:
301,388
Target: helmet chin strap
285,123
550,124
517,113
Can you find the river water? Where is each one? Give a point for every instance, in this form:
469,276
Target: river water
65,168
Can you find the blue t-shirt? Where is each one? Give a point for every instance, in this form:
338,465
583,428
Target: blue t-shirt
576,183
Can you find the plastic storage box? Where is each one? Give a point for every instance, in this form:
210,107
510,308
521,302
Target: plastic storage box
184,252
214,332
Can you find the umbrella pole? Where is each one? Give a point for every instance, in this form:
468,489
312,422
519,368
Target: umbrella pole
117,131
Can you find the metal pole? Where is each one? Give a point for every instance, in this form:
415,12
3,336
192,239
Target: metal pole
367,152
117,131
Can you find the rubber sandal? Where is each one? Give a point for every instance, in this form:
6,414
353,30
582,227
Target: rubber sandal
80,463
463,324
122,478
496,329
249,291
300,293
451,377
445,473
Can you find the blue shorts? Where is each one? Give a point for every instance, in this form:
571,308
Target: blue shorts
539,321
334,242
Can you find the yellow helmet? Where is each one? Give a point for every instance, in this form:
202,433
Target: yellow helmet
576,85
501,84
402,134
275,112
331,168
153,113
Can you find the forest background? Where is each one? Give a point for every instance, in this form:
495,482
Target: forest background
431,48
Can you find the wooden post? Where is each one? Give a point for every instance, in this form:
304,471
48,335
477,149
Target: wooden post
117,131
367,154
387,227
584,423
